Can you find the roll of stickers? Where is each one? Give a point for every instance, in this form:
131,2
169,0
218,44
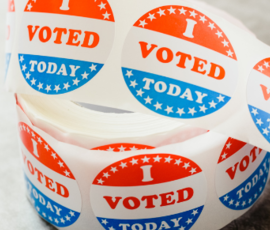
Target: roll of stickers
180,60
155,178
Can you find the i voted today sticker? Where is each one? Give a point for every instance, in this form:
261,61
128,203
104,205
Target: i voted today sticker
241,174
122,147
258,95
10,30
179,63
149,191
51,186
64,43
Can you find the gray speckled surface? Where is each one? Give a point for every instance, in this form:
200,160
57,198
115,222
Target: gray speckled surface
15,211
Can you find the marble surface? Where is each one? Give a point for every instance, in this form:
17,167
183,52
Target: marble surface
15,211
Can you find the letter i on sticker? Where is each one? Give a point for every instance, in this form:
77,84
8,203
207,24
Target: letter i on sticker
51,186
135,193
55,57
241,174
258,97
179,63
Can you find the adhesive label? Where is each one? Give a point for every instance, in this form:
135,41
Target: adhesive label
122,147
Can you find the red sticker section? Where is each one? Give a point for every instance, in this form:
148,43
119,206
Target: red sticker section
122,147
11,6
241,174
149,191
51,186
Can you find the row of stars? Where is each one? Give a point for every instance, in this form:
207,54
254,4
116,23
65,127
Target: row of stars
266,64
228,146
123,149
244,203
61,164
55,219
260,123
146,160
192,14
101,6
169,109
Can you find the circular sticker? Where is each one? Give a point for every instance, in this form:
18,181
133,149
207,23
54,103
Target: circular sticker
10,30
122,147
51,186
258,95
241,174
179,63
150,191
64,43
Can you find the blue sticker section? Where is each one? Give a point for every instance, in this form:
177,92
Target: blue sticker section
246,194
261,120
172,98
181,221
48,209
8,56
53,76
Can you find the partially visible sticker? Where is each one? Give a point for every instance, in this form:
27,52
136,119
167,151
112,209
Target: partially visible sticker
258,95
150,191
179,63
122,147
52,188
64,43
10,30
241,174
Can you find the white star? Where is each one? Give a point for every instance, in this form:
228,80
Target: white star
265,131
28,75
168,159
111,228
100,181
244,203
212,104
169,110
221,98
259,122
260,68
193,14
148,100
158,106
193,171
46,147
54,155
106,15
151,16
76,81
231,202
106,175
261,189
225,43
33,81
61,164
133,84
195,212
62,220
122,148
183,11
24,68
250,200
104,222
255,196
157,159
71,213
192,111
203,19
219,34
237,204
38,209
133,148
142,23
67,173
29,7
161,12
186,166
66,86
224,156
189,221
85,75
110,149
211,25
145,159
50,218
266,64
228,146
182,228
178,162
102,6
203,108
230,53
226,198
129,73
114,169
93,68
67,217
123,165
57,88
48,88
39,140
33,135
56,221
172,10
255,112
180,112
134,162
21,59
